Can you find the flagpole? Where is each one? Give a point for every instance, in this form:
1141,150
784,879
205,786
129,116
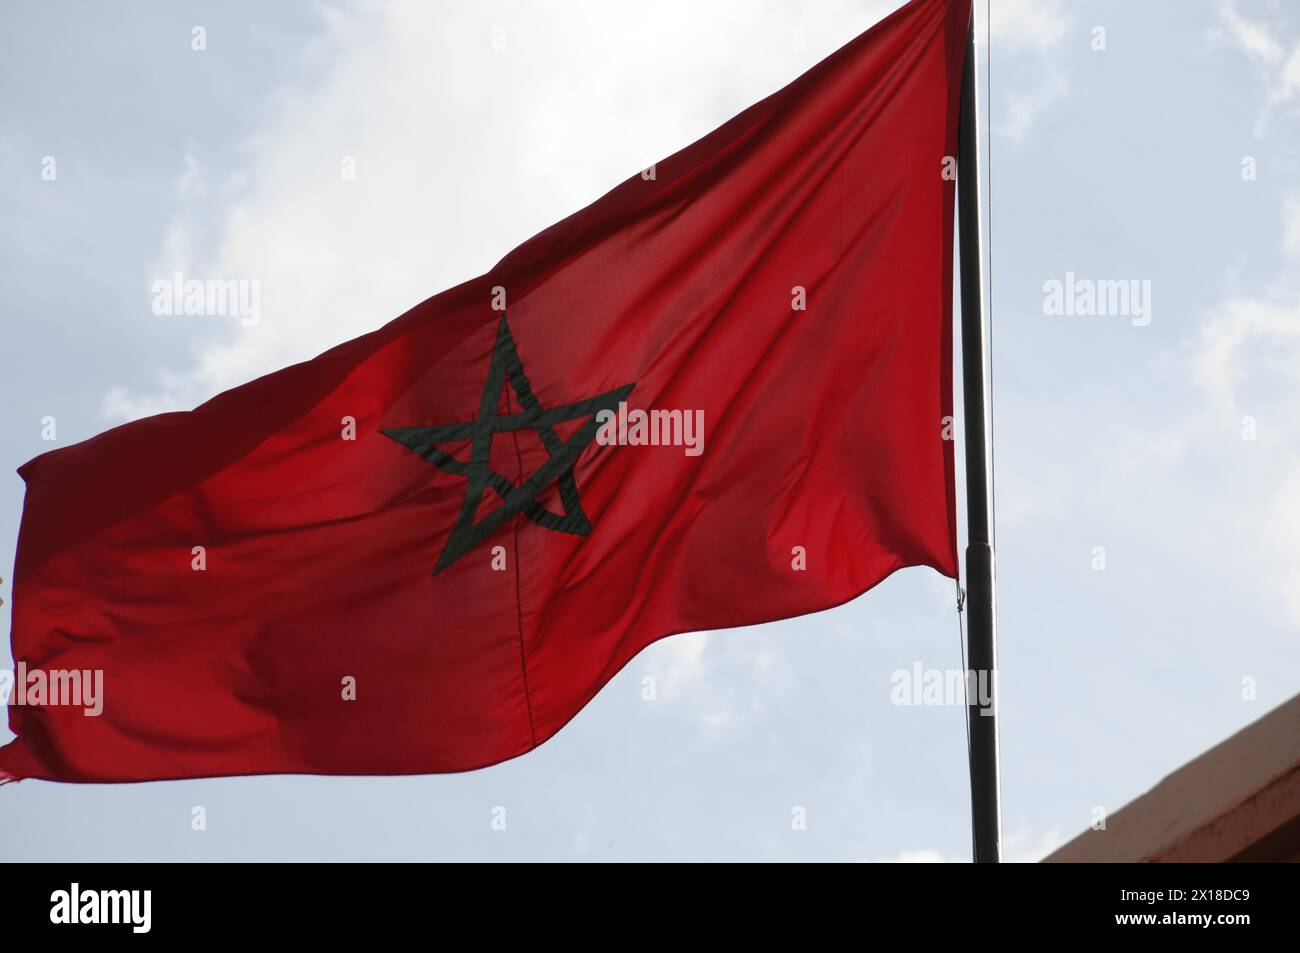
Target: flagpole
981,626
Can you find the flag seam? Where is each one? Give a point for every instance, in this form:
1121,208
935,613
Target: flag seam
519,599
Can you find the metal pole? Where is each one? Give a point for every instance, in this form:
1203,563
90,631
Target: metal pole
981,626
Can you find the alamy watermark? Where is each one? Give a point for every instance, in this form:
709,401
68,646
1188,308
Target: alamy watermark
939,687
652,428
75,905
1105,297
178,296
59,687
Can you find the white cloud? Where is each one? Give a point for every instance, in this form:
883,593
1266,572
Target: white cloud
718,681
1244,335
171,393
1022,846
186,233
1247,360
1281,536
1022,108
679,661
1263,43
471,128
1034,24
1031,34
1288,83
1291,226
925,855
1247,364
1018,847
1255,39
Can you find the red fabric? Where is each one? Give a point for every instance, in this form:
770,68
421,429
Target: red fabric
822,431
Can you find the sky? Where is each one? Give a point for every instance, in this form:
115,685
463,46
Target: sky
1147,463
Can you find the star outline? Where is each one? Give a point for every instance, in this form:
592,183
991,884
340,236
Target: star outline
562,455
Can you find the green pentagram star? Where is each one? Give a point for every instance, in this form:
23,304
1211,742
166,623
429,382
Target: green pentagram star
562,454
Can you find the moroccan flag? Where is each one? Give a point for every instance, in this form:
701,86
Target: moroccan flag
716,397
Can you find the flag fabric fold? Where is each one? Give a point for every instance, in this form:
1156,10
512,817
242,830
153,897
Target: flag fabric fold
720,395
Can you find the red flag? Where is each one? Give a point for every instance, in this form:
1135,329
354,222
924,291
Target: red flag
713,398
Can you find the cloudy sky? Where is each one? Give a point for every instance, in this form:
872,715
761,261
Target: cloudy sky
1148,474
